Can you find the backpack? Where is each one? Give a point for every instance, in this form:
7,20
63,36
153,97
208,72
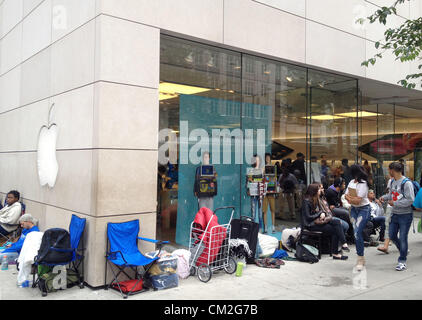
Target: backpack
55,247
416,186
288,185
304,255
47,276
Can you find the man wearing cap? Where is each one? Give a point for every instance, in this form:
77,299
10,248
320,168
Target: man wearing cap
28,224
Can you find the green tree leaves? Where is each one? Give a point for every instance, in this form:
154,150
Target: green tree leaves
405,42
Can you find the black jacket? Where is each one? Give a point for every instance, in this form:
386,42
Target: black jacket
308,214
333,197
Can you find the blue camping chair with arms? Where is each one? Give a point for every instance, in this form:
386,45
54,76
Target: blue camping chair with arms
75,263
122,251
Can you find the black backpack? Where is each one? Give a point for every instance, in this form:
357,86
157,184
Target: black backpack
55,247
304,255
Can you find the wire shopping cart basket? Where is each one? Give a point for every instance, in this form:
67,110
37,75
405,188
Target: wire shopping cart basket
209,245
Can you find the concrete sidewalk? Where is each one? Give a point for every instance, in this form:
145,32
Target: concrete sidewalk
327,279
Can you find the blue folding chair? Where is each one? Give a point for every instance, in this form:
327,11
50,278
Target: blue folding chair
122,251
76,230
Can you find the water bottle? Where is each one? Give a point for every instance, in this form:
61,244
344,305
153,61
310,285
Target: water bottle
239,269
4,263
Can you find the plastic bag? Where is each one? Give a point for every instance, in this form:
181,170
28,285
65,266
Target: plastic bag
183,257
164,281
165,265
268,245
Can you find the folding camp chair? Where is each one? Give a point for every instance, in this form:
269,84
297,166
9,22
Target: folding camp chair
76,230
122,251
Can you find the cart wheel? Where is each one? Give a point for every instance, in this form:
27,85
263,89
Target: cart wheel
230,268
204,272
192,271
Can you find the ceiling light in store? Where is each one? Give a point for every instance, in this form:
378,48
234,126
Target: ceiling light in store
290,79
211,63
362,114
322,84
237,67
172,90
267,72
324,117
189,58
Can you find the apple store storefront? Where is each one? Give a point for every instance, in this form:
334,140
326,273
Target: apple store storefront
218,108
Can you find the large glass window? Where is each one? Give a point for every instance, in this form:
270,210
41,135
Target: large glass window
333,126
199,95
408,129
227,106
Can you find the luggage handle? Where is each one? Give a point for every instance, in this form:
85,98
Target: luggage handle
223,208
247,218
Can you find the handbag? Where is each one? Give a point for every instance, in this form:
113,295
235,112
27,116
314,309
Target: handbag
327,219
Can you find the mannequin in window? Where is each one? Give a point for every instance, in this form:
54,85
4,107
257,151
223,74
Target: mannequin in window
205,186
255,189
272,191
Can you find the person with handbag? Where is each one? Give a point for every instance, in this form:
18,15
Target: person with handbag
315,219
357,195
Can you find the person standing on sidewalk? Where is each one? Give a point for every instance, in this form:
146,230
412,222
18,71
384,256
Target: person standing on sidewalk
388,210
401,198
357,195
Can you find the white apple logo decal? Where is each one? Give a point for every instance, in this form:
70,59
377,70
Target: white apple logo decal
46,152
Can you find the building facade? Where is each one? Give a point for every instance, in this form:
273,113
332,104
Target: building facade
109,75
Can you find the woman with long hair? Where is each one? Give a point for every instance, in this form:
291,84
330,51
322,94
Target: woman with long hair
315,219
357,195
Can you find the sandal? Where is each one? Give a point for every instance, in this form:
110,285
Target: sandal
383,250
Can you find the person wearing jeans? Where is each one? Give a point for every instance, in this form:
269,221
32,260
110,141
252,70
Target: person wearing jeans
360,217
401,223
401,197
257,212
357,195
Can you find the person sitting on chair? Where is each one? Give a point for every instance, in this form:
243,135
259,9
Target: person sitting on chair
377,214
10,214
27,223
315,219
323,204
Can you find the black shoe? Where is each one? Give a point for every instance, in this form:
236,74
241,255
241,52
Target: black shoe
347,249
366,244
341,258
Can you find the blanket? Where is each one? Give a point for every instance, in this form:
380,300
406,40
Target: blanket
29,251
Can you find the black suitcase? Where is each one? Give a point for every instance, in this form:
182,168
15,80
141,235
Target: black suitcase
246,228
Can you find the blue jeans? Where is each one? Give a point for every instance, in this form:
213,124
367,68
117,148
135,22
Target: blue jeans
360,216
344,224
257,211
400,223
379,222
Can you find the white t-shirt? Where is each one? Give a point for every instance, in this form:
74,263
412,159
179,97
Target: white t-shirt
361,191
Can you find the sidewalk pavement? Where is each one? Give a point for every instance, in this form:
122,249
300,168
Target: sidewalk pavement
327,279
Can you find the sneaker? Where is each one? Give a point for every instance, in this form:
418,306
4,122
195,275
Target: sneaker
401,266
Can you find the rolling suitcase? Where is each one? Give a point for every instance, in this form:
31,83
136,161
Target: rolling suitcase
246,228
